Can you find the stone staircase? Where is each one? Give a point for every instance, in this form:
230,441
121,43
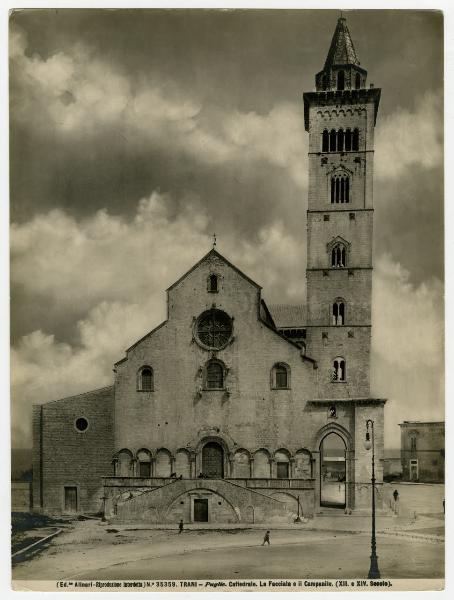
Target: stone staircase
239,504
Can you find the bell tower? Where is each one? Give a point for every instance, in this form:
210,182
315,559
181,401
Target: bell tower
340,118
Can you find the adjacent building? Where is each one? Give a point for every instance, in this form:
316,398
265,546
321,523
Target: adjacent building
235,411
423,451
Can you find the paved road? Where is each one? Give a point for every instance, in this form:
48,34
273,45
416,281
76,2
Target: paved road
346,556
420,498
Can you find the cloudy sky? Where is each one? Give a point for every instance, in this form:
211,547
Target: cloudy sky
136,134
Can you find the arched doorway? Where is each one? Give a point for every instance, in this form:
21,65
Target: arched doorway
213,461
332,471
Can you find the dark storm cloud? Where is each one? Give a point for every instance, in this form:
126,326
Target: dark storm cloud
136,134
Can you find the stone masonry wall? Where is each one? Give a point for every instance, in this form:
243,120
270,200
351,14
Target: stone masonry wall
430,450
64,456
251,415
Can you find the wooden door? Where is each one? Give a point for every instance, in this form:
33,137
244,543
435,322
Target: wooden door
70,499
213,461
201,510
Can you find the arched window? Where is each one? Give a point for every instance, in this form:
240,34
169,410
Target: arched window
339,373
124,463
340,140
145,379
325,141
357,81
348,140
144,463
338,256
282,464
280,376
355,145
163,464
338,312
341,80
213,283
214,376
340,188
332,140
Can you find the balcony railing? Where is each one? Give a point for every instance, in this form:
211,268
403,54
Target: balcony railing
253,482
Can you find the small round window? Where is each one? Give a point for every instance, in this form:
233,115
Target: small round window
81,424
214,329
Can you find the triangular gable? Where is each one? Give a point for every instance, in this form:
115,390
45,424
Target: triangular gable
214,252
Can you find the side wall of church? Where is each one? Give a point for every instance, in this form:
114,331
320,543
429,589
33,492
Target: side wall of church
65,457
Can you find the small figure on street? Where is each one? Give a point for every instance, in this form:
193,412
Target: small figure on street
180,526
396,502
266,539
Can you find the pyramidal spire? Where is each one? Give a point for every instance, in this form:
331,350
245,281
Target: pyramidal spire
342,69
342,50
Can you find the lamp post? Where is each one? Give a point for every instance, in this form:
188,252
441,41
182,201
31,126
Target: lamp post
298,518
374,573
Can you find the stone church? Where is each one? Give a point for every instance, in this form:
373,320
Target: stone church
231,410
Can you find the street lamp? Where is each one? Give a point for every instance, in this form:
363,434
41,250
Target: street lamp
298,518
369,443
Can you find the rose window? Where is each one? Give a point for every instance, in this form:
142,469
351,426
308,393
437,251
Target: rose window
214,328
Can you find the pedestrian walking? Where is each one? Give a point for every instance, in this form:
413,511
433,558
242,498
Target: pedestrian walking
180,526
266,539
396,502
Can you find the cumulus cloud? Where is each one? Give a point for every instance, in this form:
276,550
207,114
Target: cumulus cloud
57,369
410,138
83,262
407,346
101,277
117,270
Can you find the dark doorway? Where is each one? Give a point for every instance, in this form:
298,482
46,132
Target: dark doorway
201,510
213,461
144,469
70,499
282,470
332,471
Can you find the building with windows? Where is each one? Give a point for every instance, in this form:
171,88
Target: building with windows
422,451
231,410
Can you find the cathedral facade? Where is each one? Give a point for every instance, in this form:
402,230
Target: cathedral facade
235,411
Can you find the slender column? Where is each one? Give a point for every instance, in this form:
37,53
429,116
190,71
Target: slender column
192,466
230,464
